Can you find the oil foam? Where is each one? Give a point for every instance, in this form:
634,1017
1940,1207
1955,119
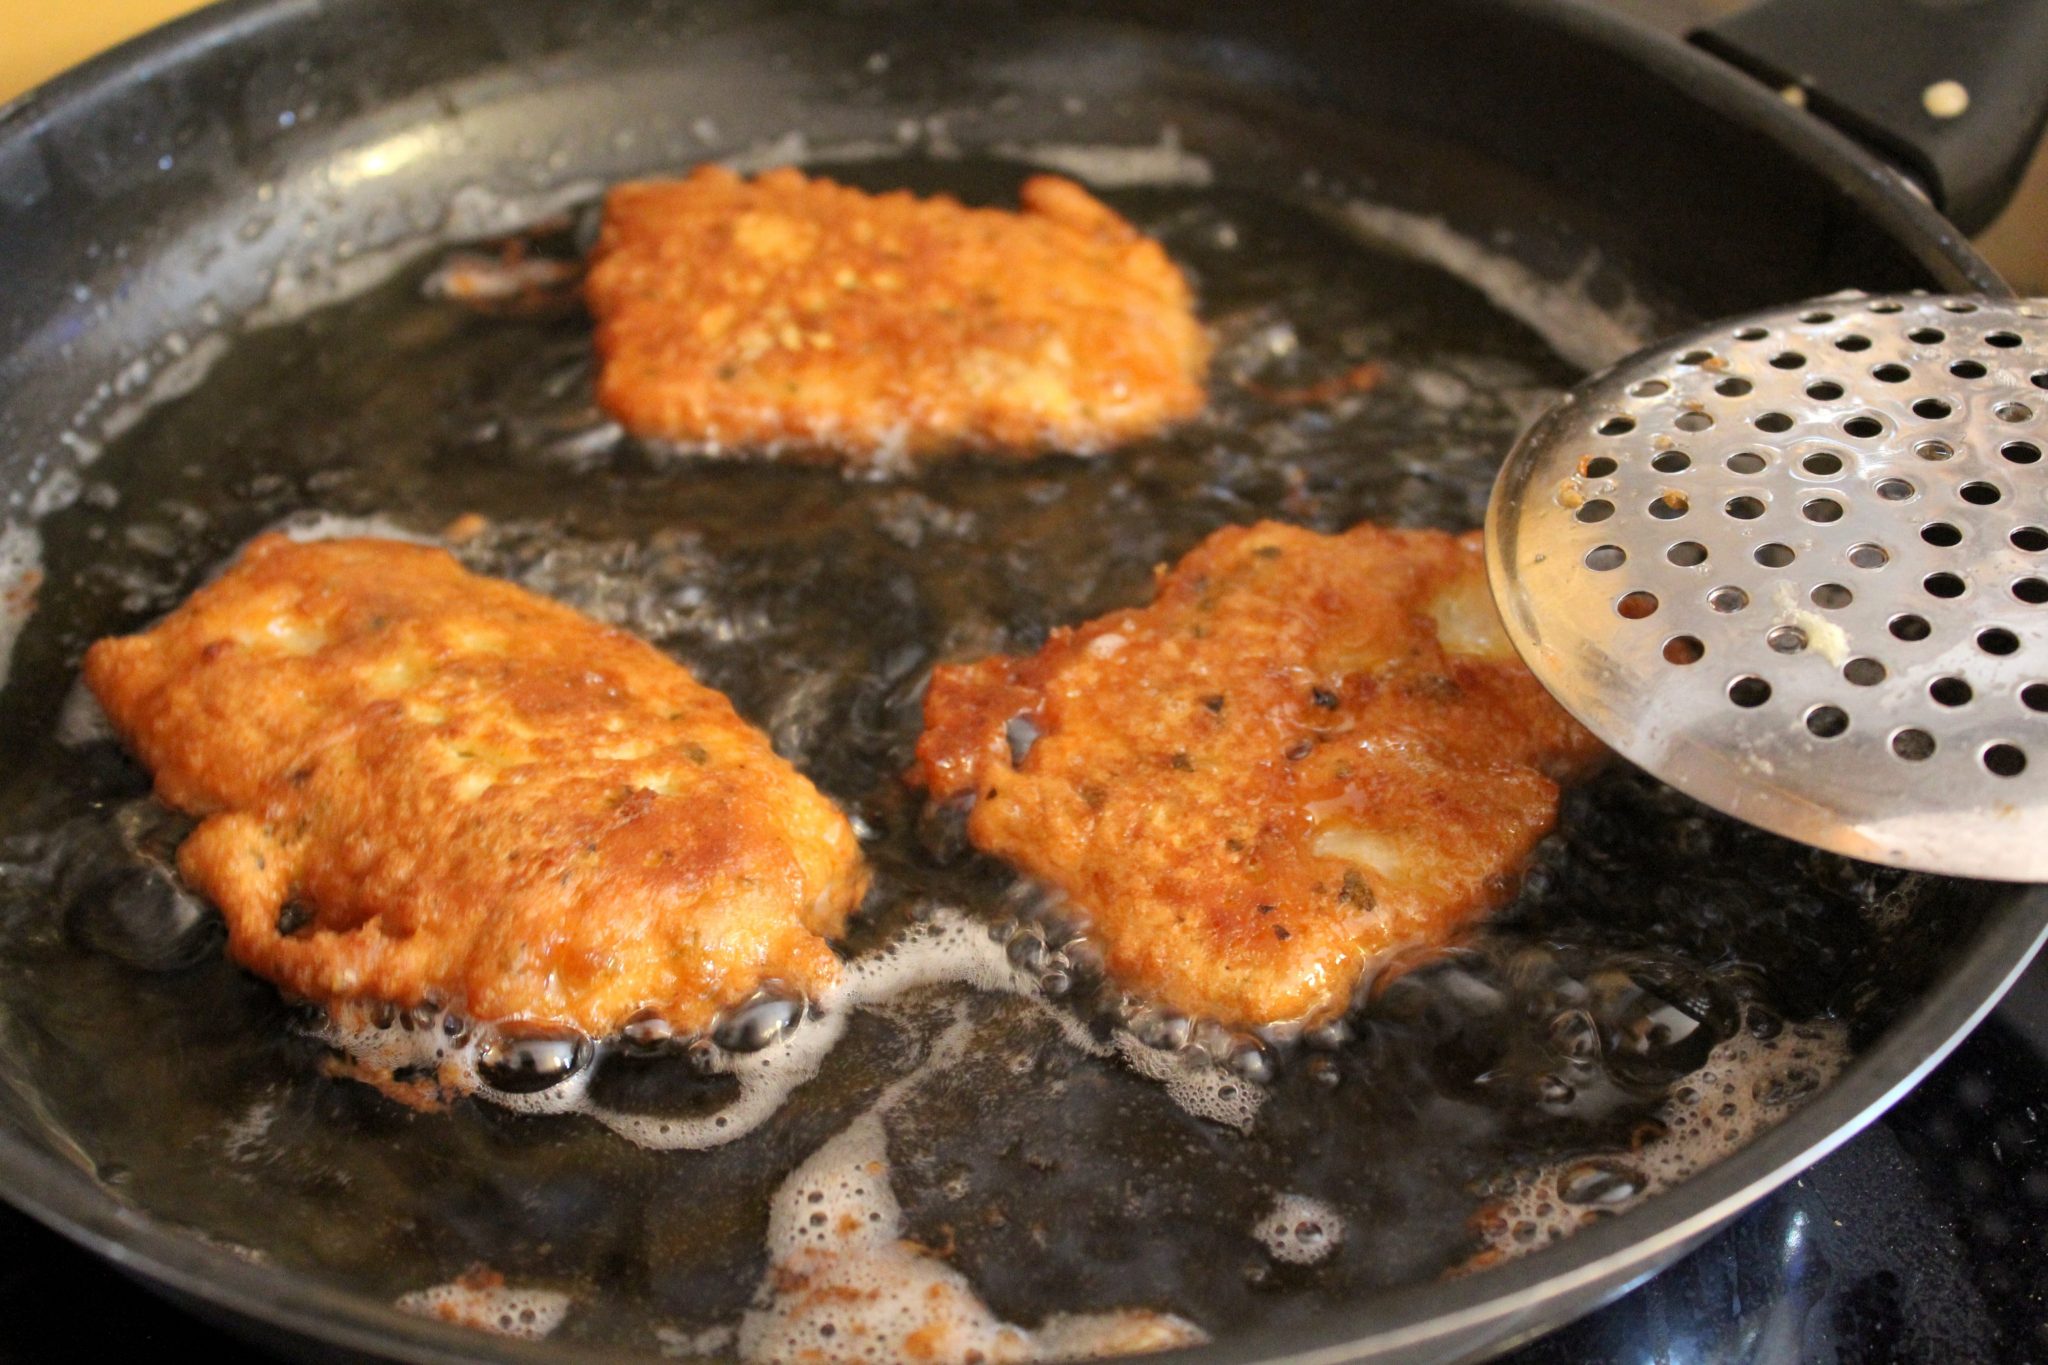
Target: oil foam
21,573
1107,166
843,1284
1299,1230
947,949
482,1301
1560,311
1748,1086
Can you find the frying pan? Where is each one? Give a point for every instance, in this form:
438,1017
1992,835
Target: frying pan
250,162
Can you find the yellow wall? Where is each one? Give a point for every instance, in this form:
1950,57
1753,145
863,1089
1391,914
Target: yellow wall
39,38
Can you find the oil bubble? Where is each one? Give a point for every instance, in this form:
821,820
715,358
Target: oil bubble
1600,1184
766,1018
523,1059
647,1031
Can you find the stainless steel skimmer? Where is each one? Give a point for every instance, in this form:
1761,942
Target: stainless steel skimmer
1796,565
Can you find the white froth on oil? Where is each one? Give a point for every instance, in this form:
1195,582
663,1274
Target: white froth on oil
948,949
1196,1083
483,1302
843,1283
1562,312
170,368
21,573
677,1344
318,525
794,148
1747,1086
1299,1230
1107,166
186,368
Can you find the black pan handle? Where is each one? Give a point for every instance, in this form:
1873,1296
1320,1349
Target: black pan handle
1953,92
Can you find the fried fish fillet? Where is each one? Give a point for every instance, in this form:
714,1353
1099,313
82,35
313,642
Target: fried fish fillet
872,329
1306,751
420,784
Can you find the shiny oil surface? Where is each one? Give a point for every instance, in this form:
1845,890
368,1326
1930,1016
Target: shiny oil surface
1648,929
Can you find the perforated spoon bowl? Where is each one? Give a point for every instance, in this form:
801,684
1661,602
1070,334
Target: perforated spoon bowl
1796,565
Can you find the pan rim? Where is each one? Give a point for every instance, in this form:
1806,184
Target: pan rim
1416,1318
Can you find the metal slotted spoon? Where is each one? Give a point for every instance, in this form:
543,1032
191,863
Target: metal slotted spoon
1796,566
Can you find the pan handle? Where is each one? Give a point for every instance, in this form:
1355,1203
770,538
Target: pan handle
1954,92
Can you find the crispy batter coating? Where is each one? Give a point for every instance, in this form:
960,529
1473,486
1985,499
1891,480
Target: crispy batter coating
871,329
417,783
1307,751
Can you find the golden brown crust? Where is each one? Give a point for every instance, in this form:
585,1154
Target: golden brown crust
873,328
1308,750
471,794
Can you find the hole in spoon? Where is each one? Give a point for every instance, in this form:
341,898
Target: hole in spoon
1749,691
1684,649
1913,745
1950,691
1636,605
2005,760
1602,558
1773,555
1687,553
1827,722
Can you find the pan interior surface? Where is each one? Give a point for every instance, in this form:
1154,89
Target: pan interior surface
1650,933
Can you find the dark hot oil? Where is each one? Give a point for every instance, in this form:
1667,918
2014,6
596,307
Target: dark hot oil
1648,930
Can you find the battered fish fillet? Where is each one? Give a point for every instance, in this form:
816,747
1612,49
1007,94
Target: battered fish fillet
1308,750
869,329
420,784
